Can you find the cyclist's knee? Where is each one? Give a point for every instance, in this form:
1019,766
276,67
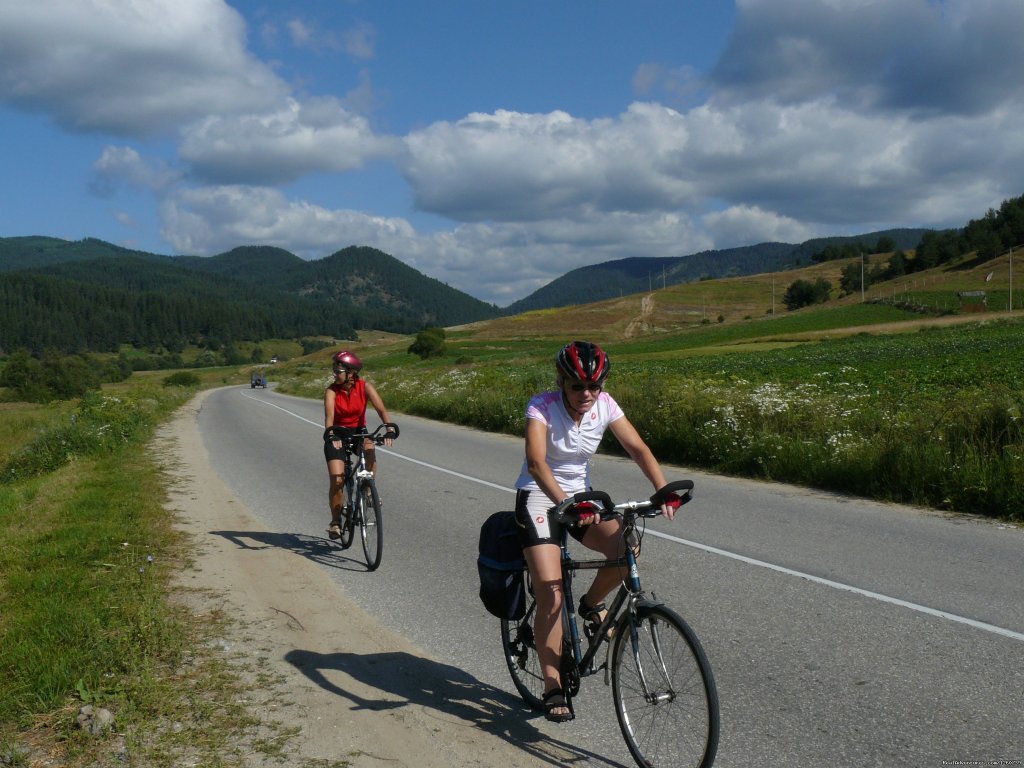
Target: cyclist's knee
548,594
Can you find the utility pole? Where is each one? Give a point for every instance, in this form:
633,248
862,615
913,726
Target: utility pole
862,277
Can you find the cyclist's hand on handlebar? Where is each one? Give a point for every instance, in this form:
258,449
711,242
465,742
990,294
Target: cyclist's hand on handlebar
391,434
671,504
587,513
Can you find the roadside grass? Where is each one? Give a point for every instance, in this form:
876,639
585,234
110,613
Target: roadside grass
17,424
88,611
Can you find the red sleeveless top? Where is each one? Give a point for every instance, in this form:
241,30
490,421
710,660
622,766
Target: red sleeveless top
349,407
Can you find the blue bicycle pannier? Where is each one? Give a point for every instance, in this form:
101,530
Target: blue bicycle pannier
500,563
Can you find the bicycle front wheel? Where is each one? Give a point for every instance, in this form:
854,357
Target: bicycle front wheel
348,516
371,529
520,649
664,691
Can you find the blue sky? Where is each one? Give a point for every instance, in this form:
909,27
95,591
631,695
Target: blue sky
496,146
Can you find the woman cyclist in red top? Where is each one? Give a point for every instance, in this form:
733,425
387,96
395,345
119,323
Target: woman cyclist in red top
345,409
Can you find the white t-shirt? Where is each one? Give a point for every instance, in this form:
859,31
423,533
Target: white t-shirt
569,447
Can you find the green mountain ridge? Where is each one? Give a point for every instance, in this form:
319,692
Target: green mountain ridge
91,295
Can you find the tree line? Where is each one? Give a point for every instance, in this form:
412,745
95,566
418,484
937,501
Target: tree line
995,233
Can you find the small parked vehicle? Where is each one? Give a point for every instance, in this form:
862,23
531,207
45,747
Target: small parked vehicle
258,379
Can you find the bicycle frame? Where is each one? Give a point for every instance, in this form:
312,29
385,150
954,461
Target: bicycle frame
355,468
630,594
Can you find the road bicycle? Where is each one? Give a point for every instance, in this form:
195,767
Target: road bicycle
362,502
663,689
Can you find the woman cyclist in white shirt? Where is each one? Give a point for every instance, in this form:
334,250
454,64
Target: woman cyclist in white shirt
563,430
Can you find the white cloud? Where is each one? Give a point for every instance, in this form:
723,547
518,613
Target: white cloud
211,220
129,68
526,167
743,225
816,162
123,165
318,135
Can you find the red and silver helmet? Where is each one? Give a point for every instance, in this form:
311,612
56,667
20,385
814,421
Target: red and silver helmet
583,361
346,359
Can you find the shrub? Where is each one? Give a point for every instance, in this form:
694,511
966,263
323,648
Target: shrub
55,377
181,379
429,343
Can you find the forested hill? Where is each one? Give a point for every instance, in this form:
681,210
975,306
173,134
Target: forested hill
633,275
91,295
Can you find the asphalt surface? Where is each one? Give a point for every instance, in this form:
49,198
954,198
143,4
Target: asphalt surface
841,632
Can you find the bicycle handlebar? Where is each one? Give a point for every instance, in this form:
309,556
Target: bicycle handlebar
682,489
391,433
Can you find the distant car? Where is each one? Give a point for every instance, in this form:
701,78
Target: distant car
258,379
273,359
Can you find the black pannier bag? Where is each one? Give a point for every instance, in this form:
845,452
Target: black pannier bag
500,563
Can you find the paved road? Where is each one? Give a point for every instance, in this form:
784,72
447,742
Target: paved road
841,632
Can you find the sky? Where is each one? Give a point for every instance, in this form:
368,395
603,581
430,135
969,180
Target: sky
495,145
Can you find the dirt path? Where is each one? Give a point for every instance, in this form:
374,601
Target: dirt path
354,692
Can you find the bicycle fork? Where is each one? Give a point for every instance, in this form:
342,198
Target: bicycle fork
656,665
638,618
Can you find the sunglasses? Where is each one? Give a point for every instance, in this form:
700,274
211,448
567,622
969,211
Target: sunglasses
588,387
344,370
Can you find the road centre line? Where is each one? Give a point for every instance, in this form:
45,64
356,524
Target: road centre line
722,552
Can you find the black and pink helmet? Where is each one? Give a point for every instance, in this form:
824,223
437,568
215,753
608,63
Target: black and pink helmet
346,359
583,361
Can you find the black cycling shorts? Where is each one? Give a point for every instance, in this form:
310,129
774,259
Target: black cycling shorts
338,454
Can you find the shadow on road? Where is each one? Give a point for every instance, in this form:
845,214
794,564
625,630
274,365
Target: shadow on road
315,548
412,680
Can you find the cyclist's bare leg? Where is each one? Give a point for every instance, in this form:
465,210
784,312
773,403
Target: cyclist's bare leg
371,456
605,538
544,561
336,493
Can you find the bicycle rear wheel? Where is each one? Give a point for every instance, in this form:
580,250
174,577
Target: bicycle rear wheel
520,649
664,691
371,530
